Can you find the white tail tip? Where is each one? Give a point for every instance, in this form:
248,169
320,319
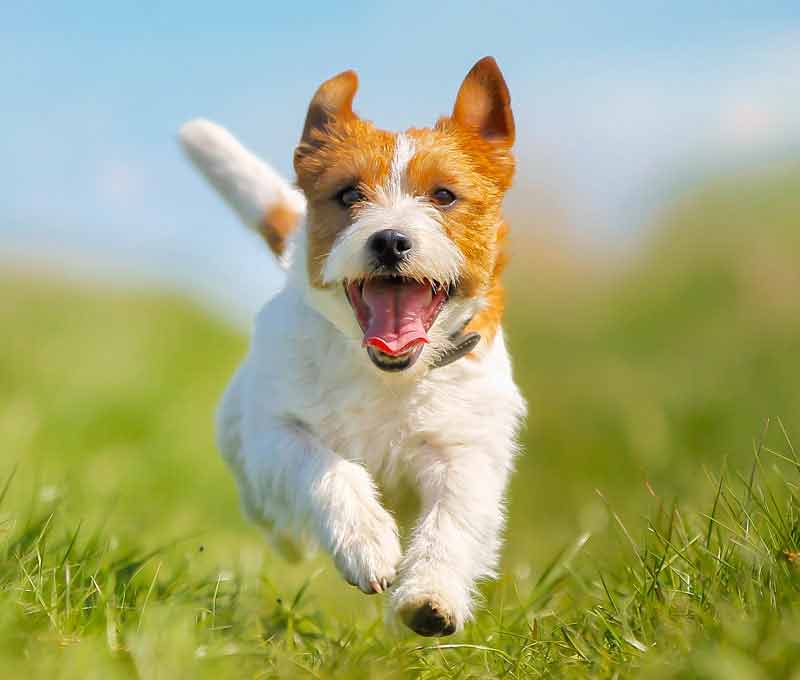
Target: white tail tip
263,199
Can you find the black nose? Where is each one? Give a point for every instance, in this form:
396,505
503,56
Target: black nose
389,247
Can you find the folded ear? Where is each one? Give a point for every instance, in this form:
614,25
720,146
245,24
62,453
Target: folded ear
333,100
483,103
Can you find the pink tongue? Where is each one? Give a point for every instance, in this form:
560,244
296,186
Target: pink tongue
396,314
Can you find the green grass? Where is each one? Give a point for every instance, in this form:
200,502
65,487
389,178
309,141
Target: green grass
653,528
698,594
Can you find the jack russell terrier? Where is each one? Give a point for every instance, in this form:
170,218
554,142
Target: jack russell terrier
383,356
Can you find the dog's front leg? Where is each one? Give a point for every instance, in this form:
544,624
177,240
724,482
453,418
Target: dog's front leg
289,475
457,539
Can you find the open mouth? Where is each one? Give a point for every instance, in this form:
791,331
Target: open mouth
395,314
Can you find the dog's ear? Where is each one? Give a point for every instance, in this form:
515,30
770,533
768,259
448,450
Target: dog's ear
483,103
332,101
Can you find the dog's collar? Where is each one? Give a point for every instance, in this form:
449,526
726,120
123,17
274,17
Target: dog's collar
462,344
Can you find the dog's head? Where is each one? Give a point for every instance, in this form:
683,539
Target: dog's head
402,244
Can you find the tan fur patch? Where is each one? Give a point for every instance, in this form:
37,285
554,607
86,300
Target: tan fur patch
277,225
478,174
353,152
487,321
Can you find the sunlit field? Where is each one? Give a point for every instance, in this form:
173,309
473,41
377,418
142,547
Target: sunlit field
654,526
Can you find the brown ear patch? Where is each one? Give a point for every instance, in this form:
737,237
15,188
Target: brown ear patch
483,103
332,101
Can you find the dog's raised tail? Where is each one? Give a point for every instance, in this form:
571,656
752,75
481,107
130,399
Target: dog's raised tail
263,199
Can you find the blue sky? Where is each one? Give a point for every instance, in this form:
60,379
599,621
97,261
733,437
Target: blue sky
615,102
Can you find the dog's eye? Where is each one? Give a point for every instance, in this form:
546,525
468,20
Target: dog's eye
349,196
443,197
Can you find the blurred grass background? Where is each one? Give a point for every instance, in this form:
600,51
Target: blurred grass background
641,372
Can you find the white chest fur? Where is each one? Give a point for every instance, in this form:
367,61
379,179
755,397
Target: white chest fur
303,368
308,422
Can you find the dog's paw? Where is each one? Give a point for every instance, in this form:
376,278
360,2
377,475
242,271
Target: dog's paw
368,555
429,608
428,615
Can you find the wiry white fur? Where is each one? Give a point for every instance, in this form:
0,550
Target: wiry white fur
248,185
308,423
404,150
434,256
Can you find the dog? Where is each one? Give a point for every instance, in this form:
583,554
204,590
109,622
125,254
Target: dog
383,356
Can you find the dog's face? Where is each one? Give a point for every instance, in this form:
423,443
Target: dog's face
402,235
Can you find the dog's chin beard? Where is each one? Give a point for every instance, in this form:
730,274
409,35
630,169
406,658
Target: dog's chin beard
395,313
